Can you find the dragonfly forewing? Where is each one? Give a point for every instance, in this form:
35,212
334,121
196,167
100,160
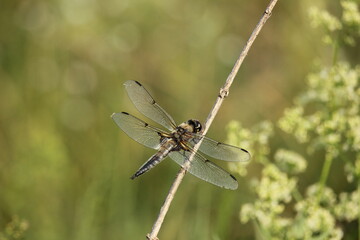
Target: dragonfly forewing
145,103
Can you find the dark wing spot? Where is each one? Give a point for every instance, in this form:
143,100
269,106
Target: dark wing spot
244,150
125,113
232,177
146,124
138,83
153,102
207,160
218,143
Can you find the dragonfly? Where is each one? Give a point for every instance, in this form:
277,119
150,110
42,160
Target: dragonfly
178,142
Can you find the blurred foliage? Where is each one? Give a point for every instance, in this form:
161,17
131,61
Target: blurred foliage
15,229
325,122
65,166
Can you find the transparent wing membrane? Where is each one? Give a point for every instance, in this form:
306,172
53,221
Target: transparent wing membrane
147,105
221,151
138,130
205,169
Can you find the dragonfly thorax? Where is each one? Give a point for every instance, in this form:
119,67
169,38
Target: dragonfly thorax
185,131
192,126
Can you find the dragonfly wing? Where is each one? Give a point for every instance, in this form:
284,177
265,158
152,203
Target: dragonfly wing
147,105
138,130
221,151
205,169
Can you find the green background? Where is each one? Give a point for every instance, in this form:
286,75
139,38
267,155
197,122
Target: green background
65,165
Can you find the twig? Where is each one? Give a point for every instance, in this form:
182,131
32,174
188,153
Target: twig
224,92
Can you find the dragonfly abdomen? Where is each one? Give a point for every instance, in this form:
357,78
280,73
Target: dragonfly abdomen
156,158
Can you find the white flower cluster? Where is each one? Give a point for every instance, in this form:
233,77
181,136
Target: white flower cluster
289,161
275,186
348,27
348,207
336,122
256,141
316,220
274,190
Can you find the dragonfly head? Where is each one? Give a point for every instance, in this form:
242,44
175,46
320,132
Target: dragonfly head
195,125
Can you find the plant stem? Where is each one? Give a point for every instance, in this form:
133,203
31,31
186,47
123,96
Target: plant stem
335,50
325,173
358,191
224,91
261,233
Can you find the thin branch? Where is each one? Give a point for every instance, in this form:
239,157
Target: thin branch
224,92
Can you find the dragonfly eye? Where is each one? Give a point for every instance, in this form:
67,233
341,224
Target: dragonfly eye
196,125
